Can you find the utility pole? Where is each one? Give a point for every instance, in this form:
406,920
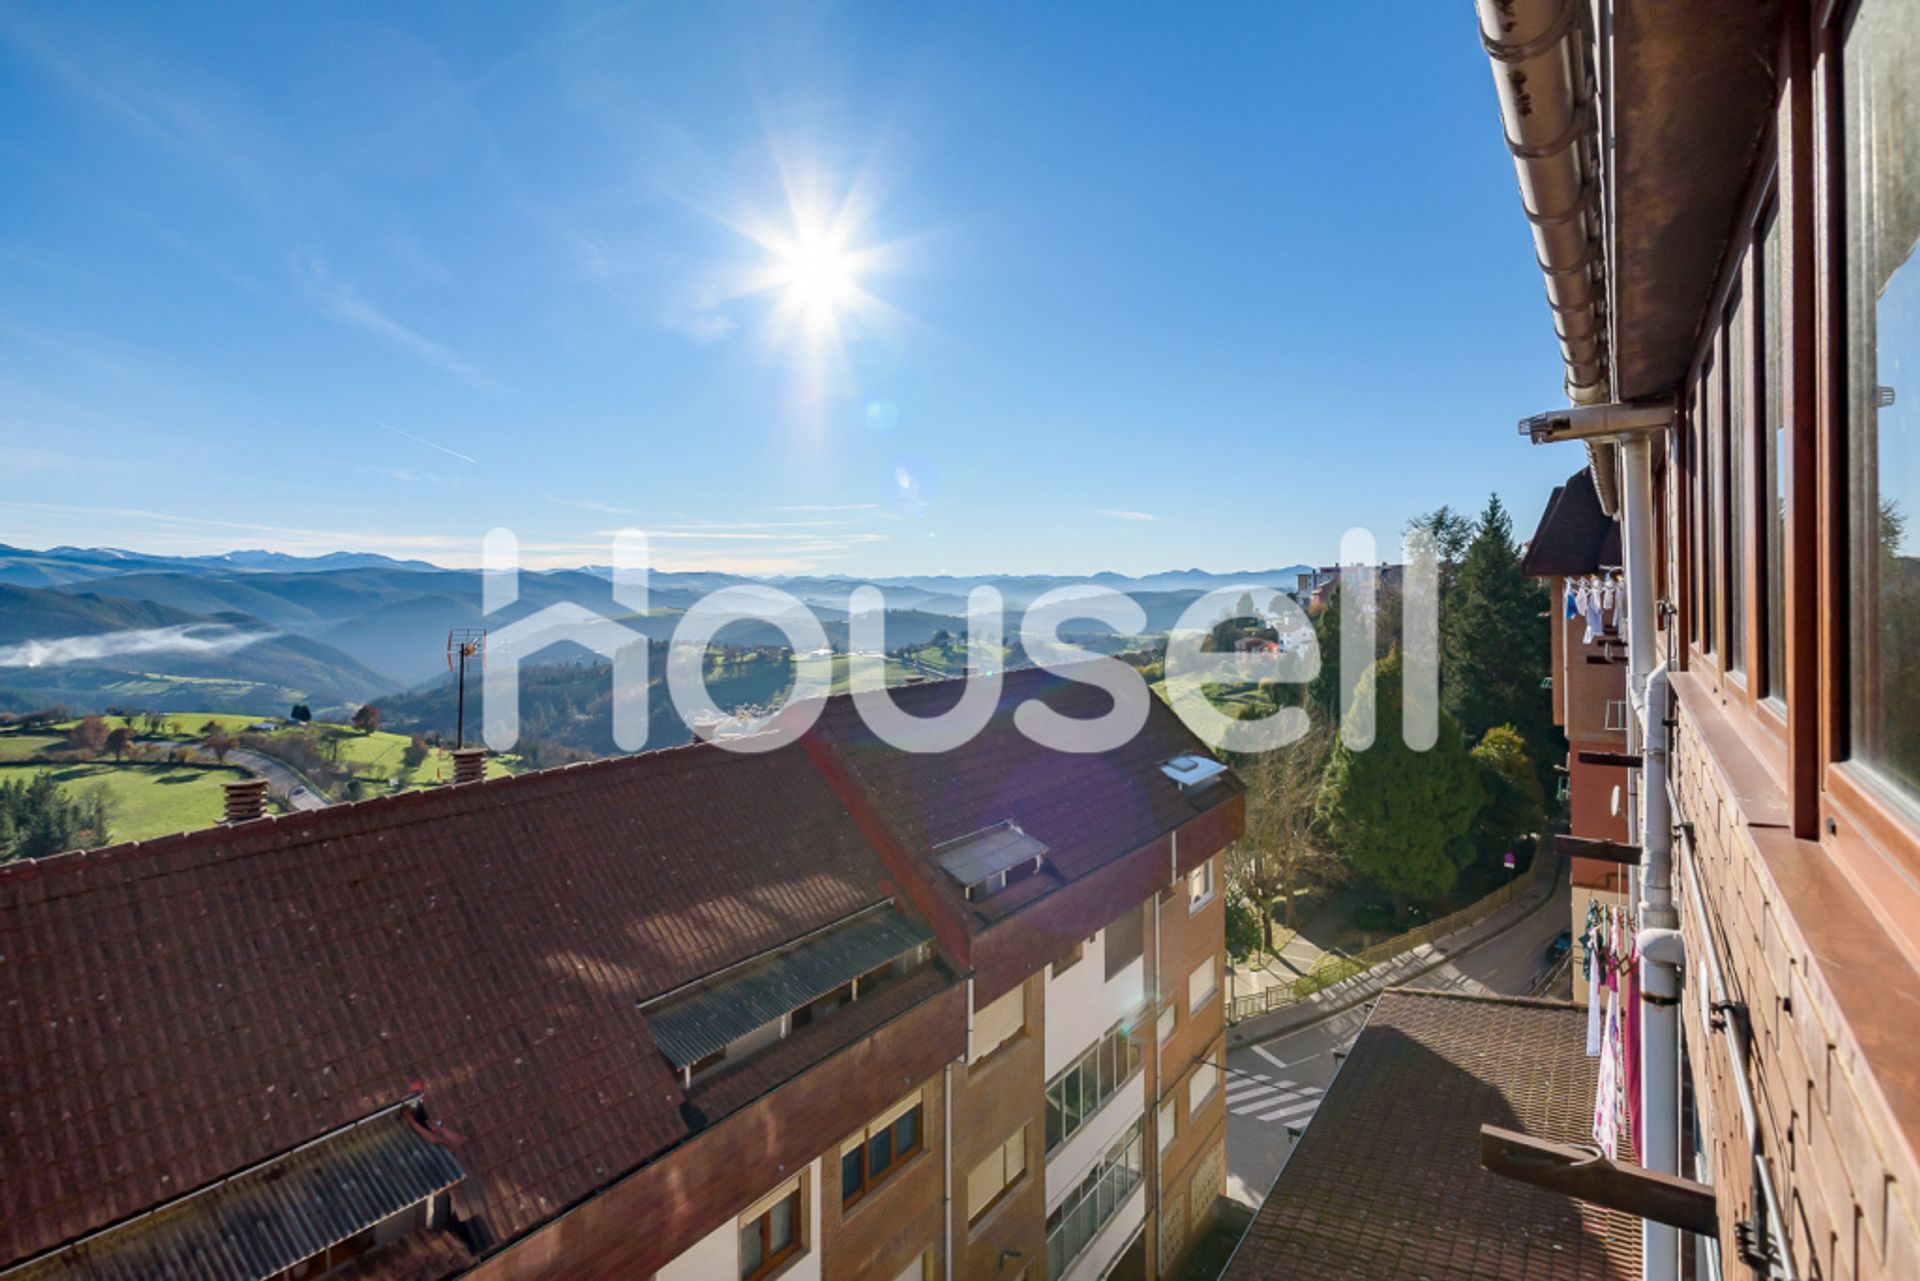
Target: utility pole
463,643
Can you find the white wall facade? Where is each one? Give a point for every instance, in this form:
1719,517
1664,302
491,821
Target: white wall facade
1082,1004
716,1256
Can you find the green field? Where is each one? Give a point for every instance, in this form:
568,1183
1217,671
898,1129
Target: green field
17,746
144,801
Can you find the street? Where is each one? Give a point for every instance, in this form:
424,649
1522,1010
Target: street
1274,1087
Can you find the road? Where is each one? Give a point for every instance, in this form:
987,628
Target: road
1274,1087
284,783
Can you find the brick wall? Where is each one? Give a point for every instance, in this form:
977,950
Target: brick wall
990,1100
895,1223
1187,938
1835,1011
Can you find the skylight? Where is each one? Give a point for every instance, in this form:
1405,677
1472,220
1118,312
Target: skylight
1190,770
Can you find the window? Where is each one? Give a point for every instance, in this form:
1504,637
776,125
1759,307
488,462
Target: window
1882,127
1200,886
1001,1169
1777,460
771,1235
1168,1017
1084,1086
1739,470
1201,985
1071,959
869,1158
999,1022
921,1269
1087,1208
1711,425
1201,1086
1169,1124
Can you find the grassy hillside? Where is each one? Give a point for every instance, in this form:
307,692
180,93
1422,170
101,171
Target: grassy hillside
144,801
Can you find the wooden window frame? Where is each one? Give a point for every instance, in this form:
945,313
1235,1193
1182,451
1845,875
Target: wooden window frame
862,1144
1873,835
770,1262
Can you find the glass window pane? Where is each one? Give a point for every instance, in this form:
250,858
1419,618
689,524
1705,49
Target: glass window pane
751,1256
780,1222
906,1132
1882,128
1739,451
1711,425
1779,457
850,1178
880,1153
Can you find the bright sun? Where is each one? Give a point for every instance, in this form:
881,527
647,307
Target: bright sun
817,279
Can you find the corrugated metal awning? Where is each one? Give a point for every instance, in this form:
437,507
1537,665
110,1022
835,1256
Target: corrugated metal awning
972,859
270,1216
688,1028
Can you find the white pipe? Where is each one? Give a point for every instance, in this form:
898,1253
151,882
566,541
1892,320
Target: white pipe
1636,468
946,1189
1659,977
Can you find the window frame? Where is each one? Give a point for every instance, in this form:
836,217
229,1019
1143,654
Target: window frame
860,1145
1203,869
771,1262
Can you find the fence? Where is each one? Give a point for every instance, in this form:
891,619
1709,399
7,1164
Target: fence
1333,968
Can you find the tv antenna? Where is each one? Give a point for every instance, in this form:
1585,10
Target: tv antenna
463,643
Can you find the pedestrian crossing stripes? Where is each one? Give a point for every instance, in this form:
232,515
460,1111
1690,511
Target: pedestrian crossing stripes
1265,1099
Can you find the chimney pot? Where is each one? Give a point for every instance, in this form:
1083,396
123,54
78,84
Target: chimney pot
469,765
246,800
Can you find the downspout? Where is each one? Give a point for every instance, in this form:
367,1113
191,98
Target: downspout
1630,431
946,1187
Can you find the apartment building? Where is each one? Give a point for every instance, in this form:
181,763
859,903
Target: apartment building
1725,203
835,1010
1575,550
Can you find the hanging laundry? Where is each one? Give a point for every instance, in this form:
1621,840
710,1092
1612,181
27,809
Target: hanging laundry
1573,607
1606,1099
1630,1042
1594,624
1589,948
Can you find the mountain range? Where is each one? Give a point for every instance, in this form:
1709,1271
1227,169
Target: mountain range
254,630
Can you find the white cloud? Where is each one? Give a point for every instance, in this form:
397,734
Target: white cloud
188,639
343,302
1112,514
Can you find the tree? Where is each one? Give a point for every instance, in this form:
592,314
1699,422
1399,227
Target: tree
210,728
301,712
367,719
1515,804
414,754
1495,644
118,740
1283,849
1452,534
219,743
156,723
39,817
89,736
1399,816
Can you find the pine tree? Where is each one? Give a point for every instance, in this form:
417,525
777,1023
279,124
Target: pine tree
1401,817
1495,646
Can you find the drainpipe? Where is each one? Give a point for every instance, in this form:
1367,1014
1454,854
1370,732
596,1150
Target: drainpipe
946,1189
1629,432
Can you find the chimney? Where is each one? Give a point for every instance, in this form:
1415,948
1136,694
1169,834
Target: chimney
246,799
469,765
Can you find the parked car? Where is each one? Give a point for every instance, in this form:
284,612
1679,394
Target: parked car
1561,945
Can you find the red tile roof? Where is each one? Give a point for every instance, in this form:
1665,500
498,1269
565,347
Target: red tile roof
1089,809
179,1009
1387,1182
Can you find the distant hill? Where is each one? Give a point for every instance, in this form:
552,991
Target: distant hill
90,651
57,565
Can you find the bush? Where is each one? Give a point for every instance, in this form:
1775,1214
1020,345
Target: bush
1243,924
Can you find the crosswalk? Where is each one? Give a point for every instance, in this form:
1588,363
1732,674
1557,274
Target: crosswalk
1266,1098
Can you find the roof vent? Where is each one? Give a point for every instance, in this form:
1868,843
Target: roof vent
246,800
1191,771
469,765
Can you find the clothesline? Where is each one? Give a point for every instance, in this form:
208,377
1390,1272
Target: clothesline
1593,596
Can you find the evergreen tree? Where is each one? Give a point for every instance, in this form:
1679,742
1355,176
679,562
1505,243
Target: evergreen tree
1495,646
1516,804
1401,817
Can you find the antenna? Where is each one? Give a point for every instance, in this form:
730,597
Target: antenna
463,643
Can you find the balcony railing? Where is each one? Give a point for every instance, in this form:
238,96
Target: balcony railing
1085,1085
1090,1206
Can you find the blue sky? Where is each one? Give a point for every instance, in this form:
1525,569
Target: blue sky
1110,287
